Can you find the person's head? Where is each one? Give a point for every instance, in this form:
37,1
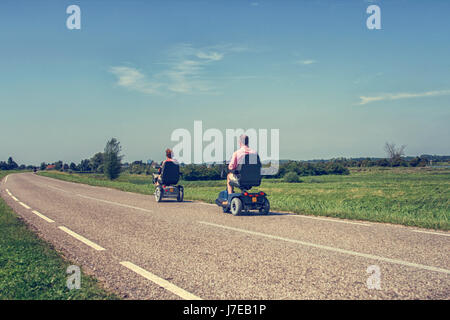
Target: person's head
169,153
243,140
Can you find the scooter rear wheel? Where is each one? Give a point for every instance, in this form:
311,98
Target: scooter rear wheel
265,207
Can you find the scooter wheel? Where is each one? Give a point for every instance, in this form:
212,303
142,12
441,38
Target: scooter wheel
265,207
159,194
236,206
180,195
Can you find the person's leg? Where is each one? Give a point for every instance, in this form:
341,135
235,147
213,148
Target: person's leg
229,187
155,179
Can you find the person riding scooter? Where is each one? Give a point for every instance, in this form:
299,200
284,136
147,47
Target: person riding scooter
157,177
244,173
236,159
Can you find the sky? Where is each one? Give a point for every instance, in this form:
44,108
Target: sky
138,70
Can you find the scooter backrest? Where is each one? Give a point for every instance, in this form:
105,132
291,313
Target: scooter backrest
249,171
170,173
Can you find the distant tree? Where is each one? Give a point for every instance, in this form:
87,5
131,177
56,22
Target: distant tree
73,167
3,165
58,165
43,166
383,163
85,165
12,165
418,162
112,159
65,167
394,153
22,167
97,162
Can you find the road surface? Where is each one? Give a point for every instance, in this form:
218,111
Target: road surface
142,249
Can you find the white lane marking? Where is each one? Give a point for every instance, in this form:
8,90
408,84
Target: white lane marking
82,239
206,204
330,220
438,233
115,203
40,215
160,281
6,179
8,192
339,250
14,198
55,188
24,205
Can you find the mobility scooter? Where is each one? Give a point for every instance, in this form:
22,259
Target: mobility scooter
168,179
249,175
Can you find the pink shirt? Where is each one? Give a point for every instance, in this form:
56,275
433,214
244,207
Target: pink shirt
238,155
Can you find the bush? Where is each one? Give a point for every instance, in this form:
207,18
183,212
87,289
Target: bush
291,177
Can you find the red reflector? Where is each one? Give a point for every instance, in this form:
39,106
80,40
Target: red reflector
246,194
261,193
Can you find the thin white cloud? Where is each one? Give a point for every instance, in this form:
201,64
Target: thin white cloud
213,56
133,79
397,96
306,62
185,72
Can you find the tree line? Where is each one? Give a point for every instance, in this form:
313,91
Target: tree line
109,163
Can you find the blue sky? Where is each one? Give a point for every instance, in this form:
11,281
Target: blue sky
137,70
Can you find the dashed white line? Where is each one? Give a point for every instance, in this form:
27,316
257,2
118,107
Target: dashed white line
330,220
40,215
7,191
206,204
24,205
82,239
339,250
160,281
430,232
55,188
14,198
6,179
115,203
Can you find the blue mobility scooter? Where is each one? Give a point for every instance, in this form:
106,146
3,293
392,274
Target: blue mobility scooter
249,175
168,182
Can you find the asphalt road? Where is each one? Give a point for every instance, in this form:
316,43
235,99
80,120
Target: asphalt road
142,249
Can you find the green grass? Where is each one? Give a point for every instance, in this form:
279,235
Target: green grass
31,269
413,197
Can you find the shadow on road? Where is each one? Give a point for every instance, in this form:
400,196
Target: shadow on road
250,213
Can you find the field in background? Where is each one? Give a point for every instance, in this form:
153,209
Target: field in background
408,196
30,269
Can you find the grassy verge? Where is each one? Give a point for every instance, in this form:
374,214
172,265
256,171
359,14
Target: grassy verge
414,197
31,270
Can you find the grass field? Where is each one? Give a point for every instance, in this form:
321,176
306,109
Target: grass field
414,197
30,269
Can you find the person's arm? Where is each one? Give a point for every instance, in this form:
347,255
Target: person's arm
233,162
160,167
